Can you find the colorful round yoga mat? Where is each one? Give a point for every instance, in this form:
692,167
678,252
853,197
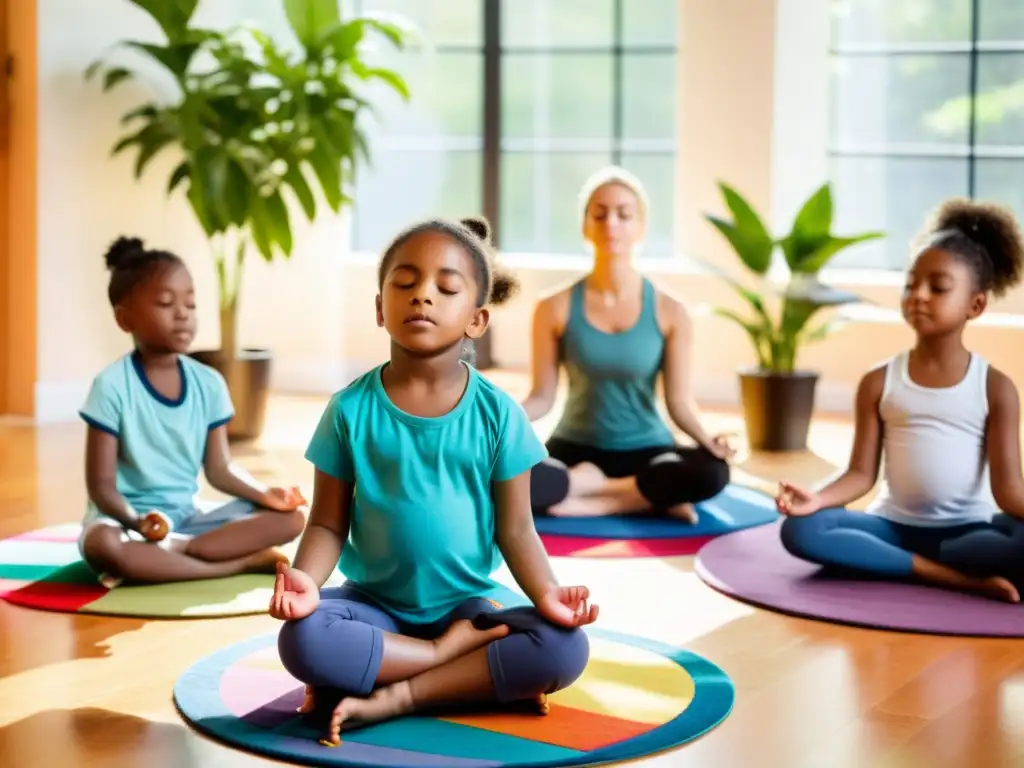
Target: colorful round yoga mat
43,569
636,697
735,508
753,566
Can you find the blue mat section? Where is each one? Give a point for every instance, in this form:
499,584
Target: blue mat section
734,509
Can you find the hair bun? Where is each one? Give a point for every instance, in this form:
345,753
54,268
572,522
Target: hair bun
479,226
992,229
123,250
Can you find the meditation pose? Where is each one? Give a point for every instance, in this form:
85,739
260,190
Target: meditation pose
611,452
948,425
155,418
422,484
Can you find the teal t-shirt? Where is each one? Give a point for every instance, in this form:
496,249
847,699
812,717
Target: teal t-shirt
161,442
422,534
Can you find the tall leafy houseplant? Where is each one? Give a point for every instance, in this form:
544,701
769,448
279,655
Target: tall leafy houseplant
778,398
259,130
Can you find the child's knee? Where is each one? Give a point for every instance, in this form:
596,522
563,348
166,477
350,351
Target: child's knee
545,660
796,534
101,548
292,525
330,649
298,645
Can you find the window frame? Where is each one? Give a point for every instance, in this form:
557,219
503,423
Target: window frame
493,145
976,49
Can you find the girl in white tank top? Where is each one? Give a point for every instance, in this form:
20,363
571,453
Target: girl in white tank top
945,424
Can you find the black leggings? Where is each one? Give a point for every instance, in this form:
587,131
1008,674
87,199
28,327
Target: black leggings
666,475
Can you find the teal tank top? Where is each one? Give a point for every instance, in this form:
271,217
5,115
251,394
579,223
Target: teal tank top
612,376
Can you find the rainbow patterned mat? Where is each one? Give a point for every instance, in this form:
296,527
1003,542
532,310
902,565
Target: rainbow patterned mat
636,697
43,569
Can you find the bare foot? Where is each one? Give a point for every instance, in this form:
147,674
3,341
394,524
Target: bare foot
687,513
543,707
265,561
585,479
999,588
308,701
462,638
383,704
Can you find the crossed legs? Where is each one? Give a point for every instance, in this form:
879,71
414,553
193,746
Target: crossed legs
580,481
366,666
977,557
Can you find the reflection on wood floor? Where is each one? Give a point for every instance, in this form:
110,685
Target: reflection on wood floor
92,691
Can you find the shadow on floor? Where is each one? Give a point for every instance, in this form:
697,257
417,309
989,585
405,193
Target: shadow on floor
92,736
41,638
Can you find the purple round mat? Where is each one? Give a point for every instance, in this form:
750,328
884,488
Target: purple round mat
752,566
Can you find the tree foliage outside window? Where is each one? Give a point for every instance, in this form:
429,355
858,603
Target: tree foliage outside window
584,83
927,103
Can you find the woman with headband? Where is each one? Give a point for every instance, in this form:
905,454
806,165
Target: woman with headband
612,452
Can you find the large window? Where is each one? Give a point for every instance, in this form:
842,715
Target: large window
927,103
515,103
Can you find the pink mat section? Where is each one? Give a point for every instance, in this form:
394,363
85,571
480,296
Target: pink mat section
584,546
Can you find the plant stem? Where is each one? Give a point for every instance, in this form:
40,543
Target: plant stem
229,283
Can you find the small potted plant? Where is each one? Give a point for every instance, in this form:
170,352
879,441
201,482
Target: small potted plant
778,397
256,127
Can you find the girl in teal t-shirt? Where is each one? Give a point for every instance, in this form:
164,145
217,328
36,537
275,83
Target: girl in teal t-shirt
422,486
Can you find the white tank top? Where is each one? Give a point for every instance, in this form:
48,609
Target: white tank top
933,449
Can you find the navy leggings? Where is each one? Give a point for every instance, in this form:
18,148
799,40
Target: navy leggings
666,475
858,541
341,644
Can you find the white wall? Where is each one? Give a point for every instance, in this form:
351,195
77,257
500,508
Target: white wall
87,198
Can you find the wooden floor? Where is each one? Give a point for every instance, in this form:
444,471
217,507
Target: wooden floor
87,691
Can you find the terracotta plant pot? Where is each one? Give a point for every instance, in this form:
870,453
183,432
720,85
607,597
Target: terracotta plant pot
248,381
777,408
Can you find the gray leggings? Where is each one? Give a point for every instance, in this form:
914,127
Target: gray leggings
340,646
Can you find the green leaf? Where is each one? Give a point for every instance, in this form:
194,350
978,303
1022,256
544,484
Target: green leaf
755,332
746,233
822,331
278,223
114,76
173,16
174,57
296,181
311,19
796,313
326,164
397,33
810,230
814,219
258,228
230,189
392,78
199,205
815,260
180,174
153,138
146,111
753,299
343,39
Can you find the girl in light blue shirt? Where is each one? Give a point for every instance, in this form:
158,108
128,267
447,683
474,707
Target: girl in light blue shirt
422,487
156,418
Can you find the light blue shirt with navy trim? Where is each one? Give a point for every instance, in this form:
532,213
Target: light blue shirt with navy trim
422,533
161,442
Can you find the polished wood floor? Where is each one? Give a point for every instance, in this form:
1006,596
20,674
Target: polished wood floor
87,691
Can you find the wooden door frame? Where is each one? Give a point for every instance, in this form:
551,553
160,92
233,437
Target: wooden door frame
19,141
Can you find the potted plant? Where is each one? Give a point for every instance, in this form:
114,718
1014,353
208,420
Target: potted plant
777,397
257,127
